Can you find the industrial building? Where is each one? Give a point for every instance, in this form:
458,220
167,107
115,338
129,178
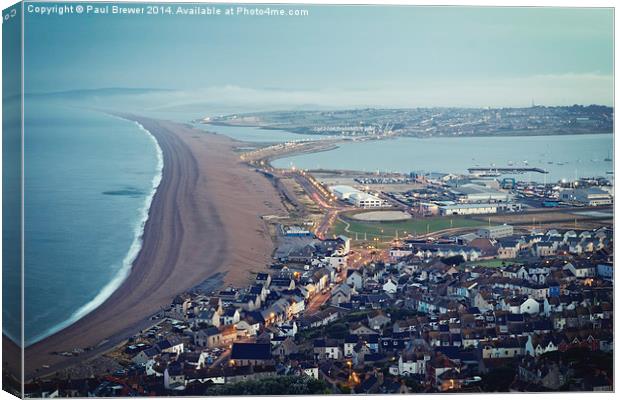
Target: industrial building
496,232
428,209
357,197
295,230
343,192
365,200
473,193
591,196
468,209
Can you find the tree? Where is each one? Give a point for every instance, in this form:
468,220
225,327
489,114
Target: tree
336,331
499,379
454,260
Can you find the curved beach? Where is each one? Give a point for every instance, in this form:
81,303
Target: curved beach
204,220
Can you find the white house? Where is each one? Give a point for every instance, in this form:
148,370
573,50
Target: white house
410,364
231,316
390,286
250,327
349,343
397,252
581,271
341,294
355,279
149,368
331,350
529,306
542,347
503,348
312,371
174,377
337,261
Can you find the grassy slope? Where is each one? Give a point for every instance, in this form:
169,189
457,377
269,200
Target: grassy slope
387,230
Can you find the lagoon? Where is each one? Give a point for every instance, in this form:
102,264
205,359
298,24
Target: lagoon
255,134
563,156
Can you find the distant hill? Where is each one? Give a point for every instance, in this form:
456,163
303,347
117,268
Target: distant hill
81,93
434,122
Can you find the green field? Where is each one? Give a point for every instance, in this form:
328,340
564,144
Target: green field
496,263
385,231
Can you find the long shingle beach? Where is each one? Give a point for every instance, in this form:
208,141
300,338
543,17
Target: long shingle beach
204,220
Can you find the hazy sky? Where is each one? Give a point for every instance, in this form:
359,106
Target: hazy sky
337,56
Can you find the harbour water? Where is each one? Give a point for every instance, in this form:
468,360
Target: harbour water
254,134
564,157
88,181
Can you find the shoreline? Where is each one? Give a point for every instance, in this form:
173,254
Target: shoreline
199,217
127,263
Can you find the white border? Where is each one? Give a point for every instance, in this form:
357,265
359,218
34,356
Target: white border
510,3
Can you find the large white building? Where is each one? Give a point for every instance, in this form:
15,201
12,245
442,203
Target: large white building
468,209
365,200
588,196
473,193
343,192
357,197
496,232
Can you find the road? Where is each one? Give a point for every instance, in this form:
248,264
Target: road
324,199
315,303
224,357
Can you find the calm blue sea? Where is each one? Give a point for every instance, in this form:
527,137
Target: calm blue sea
89,178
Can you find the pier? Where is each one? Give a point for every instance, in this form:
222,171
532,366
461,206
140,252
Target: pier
506,170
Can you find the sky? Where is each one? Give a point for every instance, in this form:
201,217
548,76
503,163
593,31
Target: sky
392,56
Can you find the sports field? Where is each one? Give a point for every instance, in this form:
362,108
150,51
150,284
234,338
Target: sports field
385,230
495,263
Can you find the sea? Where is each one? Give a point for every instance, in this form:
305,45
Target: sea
89,179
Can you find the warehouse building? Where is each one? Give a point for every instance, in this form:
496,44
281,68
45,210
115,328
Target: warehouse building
496,232
357,197
592,196
365,200
473,193
468,209
343,192
428,209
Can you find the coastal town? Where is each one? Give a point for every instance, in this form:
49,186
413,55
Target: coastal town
308,199
433,122
388,283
